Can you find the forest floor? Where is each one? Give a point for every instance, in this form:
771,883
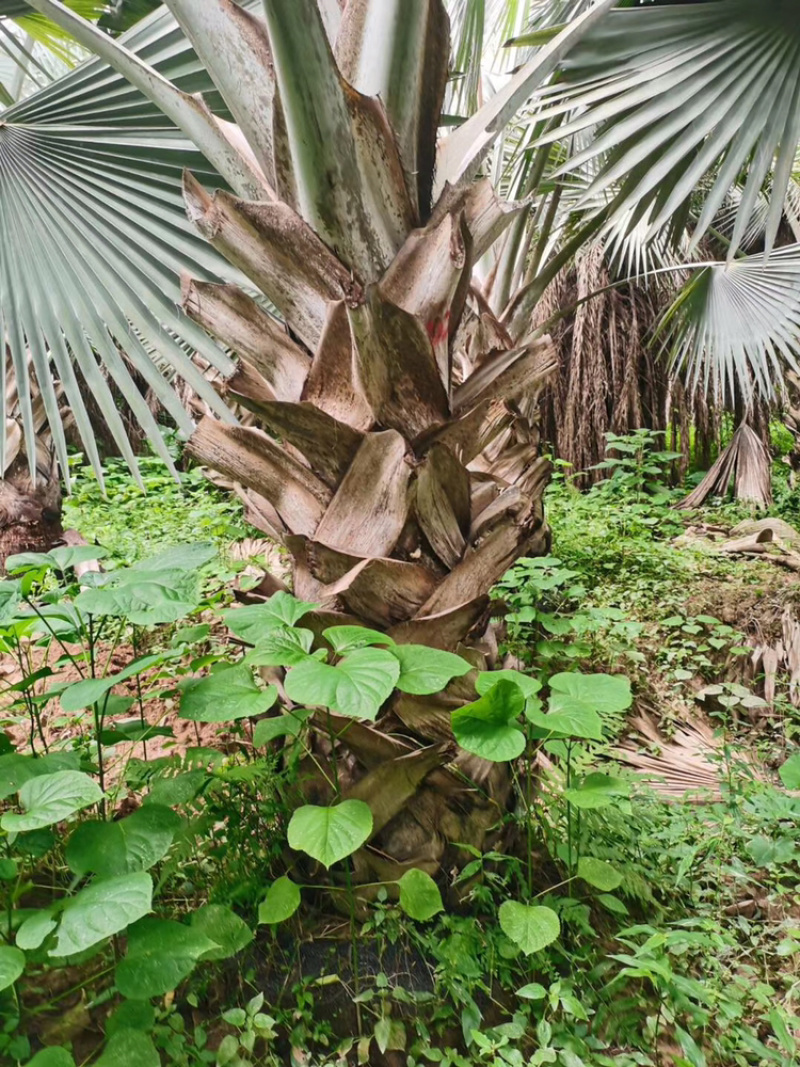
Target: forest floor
691,956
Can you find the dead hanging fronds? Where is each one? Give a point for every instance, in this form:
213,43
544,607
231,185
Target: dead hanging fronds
746,462
611,378
792,417
780,658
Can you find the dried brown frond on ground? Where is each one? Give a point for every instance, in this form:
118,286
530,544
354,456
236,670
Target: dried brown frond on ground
686,767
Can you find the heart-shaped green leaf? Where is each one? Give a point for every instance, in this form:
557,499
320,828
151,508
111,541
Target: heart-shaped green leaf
254,622
486,680
280,903
83,694
599,874
287,725
145,598
419,895
224,927
52,1057
597,791
532,929
225,696
346,638
105,907
282,647
790,772
161,953
579,722
129,1048
16,769
533,991
12,964
489,727
60,559
36,928
602,693
131,844
357,686
330,834
426,670
50,798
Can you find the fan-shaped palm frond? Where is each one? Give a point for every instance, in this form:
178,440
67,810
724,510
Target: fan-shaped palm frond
679,92
94,237
735,325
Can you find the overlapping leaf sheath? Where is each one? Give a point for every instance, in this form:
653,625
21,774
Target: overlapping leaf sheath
392,448
394,452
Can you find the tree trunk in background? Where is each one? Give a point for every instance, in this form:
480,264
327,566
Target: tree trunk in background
30,515
793,419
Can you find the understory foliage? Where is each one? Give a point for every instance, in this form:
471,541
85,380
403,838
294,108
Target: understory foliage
188,878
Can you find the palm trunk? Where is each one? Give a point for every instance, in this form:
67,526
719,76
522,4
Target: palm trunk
793,420
30,514
396,452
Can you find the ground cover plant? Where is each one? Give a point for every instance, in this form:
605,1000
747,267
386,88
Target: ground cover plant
190,877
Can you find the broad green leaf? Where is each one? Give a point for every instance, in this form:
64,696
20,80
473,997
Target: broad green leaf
129,1048
143,598
223,926
532,991
131,844
357,686
419,895
282,647
254,622
225,696
383,1032
83,694
613,904
597,791
181,789
313,683
426,670
790,772
489,727
181,558
787,1040
131,1015
280,903
568,722
346,638
370,675
60,559
531,928
599,874
12,964
10,596
16,769
52,1057
50,798
161,953
487,679
37,928
104,908
288,724
330,834
603,693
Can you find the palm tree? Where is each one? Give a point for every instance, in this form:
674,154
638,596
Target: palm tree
731,326
398,457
